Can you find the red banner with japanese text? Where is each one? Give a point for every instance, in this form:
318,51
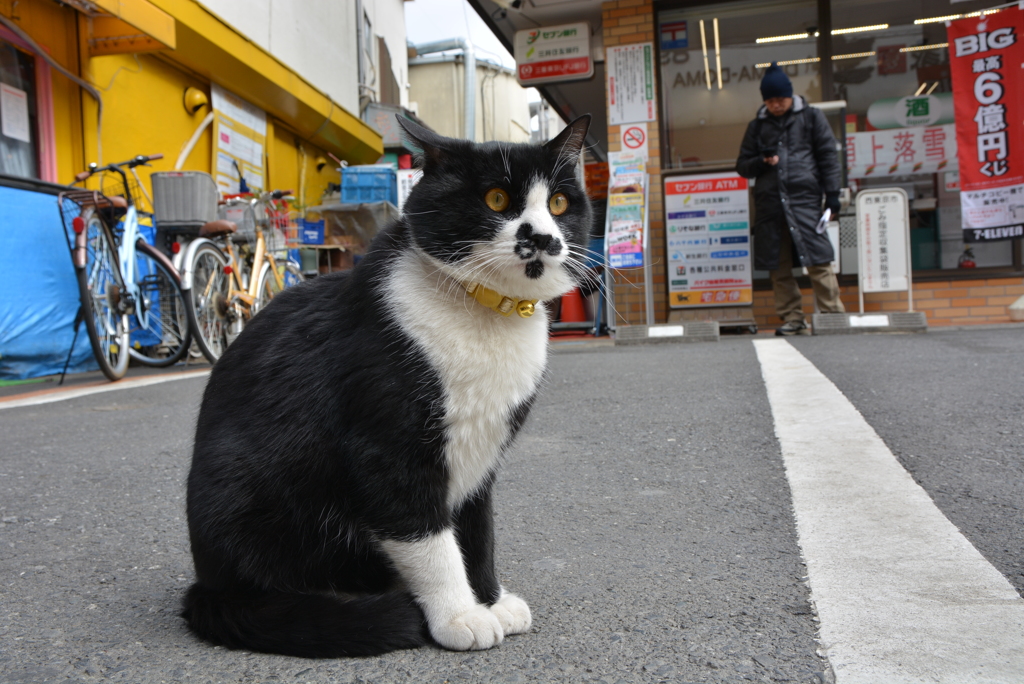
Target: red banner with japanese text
985,57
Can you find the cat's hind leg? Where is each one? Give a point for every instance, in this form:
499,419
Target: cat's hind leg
433,569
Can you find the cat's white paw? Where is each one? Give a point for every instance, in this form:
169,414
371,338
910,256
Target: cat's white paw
513,614
475,630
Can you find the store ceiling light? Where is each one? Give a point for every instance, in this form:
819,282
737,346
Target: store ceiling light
718,56
787,62
776,39
954,17
704,46
916,48
854,55
935,20
860,29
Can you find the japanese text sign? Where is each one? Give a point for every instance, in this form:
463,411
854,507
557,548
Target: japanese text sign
630,83
707,221
553,53
883,238
985,56
901,151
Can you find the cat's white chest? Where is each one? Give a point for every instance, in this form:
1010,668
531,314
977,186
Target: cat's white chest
489,366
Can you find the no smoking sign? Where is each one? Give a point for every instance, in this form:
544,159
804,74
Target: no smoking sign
633,139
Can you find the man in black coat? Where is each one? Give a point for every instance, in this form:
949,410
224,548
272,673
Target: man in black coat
790,150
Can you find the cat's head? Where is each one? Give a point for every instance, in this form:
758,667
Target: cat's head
510,216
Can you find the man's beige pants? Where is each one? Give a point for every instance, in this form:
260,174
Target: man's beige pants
788,300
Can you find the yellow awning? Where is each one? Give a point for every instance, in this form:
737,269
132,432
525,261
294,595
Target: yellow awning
213,49
125,26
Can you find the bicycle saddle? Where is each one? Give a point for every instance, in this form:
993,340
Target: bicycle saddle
217,228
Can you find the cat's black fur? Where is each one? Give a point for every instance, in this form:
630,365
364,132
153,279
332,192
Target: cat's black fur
323,449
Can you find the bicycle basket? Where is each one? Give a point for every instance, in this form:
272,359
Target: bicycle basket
73,202
240,212
184,200
112,185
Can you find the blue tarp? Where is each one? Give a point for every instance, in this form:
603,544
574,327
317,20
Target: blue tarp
38,290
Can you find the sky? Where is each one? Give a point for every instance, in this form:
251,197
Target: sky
430,20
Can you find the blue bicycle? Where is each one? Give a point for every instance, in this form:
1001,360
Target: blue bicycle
130,292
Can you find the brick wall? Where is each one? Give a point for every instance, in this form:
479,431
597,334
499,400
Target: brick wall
948,302
625,22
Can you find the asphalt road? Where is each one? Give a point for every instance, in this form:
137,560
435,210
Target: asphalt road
644,515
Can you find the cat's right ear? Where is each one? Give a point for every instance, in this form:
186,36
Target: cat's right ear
434,146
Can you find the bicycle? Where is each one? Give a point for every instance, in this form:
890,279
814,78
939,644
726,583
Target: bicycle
130,293
218,268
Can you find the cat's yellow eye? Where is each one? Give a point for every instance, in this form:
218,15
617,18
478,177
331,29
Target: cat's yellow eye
558,204
497,199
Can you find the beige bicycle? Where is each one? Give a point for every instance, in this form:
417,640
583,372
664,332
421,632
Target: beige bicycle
235,268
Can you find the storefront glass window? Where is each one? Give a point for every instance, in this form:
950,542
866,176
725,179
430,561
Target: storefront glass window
708,101
898,92
18,128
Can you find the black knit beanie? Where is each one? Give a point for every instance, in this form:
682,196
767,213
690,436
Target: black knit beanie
775,83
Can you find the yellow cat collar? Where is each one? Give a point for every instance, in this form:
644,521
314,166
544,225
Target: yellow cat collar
500,303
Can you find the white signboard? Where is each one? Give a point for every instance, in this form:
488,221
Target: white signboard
630,83
14,113
553,53
901,151
407,180
707,221
883,240
240,133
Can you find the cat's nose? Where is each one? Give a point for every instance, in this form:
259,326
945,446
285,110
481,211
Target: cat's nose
546,243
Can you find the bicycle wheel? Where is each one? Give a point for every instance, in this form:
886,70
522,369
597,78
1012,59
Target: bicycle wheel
206,304
166,335
104,298
291,274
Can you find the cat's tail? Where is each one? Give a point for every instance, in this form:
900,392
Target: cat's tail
305,625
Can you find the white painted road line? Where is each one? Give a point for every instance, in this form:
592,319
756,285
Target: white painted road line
903,597
50,396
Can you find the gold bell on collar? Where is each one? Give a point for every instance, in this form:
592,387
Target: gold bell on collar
500,303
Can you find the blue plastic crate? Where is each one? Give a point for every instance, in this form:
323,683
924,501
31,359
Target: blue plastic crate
311,232
372,183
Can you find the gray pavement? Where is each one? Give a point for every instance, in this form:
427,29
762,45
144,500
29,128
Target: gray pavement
644,515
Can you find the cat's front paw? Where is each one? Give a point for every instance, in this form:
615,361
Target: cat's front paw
475,630
513,613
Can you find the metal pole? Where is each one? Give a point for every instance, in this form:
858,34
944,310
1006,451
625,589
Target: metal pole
648,280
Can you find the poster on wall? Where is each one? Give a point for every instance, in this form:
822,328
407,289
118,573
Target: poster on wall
627,174
239,137
14,119
552,54
985,57
707,223
630,83
901,151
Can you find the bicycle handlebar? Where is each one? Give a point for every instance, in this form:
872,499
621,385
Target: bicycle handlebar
140,160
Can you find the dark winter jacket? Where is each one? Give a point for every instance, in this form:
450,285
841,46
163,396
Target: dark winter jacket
792,190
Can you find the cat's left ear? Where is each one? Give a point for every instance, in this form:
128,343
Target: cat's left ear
432,144
569,143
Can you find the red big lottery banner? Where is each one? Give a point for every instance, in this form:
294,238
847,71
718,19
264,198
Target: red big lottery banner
985,56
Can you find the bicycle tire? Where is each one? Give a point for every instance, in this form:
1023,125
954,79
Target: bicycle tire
100,285
160,292
206,303
267,287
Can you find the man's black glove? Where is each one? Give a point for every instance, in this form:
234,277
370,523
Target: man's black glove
832,203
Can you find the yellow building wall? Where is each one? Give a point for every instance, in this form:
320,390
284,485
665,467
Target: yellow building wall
54,27
144,113
292,164
143,109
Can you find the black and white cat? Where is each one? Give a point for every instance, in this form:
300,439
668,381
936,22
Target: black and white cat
339,501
